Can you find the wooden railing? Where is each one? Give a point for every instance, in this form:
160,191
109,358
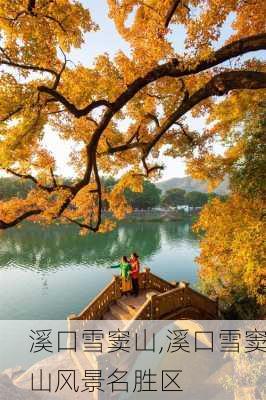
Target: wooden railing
112,292
145,311
154,282
171,297
100,304
163,305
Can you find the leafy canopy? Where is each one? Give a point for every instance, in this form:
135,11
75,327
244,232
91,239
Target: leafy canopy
174,197
147,199
233,252
152,89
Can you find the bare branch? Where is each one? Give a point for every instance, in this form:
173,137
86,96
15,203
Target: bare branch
35,181
149,170
59,23
153,117
122,147
28,67
126,146
90,119
98,191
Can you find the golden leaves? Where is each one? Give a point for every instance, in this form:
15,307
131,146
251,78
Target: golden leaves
116,198
116,113
233,249
141,23
34,36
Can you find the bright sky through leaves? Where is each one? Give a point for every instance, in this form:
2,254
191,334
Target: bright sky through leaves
186,84
108,40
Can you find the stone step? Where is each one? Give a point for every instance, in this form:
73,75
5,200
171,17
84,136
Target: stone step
128,308
119,313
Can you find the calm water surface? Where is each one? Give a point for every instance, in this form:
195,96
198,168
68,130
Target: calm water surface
49,272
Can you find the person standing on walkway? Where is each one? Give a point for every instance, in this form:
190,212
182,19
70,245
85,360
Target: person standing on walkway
135,268
125,268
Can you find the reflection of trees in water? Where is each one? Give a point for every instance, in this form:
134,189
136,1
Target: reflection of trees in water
51,247
176,231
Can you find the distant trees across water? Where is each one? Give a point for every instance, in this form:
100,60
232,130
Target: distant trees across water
179,197
150,197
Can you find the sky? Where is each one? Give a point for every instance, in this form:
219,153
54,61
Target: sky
106,39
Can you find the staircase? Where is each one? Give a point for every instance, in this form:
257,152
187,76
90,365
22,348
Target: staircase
127,307
158,299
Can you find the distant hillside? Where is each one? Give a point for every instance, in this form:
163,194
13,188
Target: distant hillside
189,185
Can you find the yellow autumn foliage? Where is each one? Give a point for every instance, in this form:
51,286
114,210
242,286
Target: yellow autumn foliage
233,251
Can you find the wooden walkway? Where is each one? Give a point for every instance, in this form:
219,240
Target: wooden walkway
158,299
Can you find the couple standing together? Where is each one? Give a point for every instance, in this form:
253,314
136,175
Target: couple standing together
129,273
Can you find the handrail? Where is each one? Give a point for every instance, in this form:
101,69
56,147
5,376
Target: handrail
112,292
171,297
142,311
211,306
95,308
165,284
164,304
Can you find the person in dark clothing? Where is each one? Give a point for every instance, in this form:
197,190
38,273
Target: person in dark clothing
135,268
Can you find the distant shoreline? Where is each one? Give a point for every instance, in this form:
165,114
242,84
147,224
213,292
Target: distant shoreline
161,216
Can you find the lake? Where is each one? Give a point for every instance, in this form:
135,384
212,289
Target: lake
49,272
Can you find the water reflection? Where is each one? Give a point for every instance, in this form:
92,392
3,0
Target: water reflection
174,232
48,248
56,246
46,273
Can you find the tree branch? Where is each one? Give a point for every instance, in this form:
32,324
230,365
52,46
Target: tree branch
16,221
70,106
30,67
219,85
170,69
59,74
31,6
53,177
184,132
11,114
98,191
171,11
49,189
149,170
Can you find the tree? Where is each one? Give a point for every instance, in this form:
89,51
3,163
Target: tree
249,172
148,198
174,198
153,88
232,258
12,187
196,199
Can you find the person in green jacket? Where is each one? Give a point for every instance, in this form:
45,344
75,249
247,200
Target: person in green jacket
125,268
